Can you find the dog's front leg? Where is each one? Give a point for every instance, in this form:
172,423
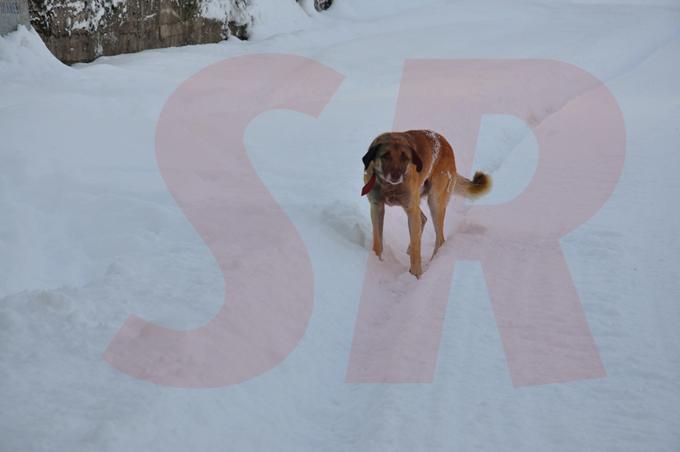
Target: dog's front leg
378,219
414,228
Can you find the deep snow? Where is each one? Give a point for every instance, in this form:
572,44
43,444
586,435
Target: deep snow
90,234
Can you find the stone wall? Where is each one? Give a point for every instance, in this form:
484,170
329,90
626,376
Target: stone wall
82,30
12,14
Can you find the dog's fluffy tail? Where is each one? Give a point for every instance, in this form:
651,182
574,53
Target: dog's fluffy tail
478,186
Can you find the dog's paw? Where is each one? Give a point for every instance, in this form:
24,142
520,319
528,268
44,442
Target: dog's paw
416,271
378,253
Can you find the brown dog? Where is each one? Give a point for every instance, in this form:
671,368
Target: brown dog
402,167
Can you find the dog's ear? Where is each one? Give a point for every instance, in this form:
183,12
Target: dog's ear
416,160
370,155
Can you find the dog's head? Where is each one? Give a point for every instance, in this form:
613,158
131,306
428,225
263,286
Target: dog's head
391,154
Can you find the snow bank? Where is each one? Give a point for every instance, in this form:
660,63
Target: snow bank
271,17
24,55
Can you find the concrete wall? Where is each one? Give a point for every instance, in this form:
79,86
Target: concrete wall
13,13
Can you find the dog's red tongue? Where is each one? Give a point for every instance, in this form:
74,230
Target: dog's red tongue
369,185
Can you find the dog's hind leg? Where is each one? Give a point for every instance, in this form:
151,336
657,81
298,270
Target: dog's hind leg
438,199
378,220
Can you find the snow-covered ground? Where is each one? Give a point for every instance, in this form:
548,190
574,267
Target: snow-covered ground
90,234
